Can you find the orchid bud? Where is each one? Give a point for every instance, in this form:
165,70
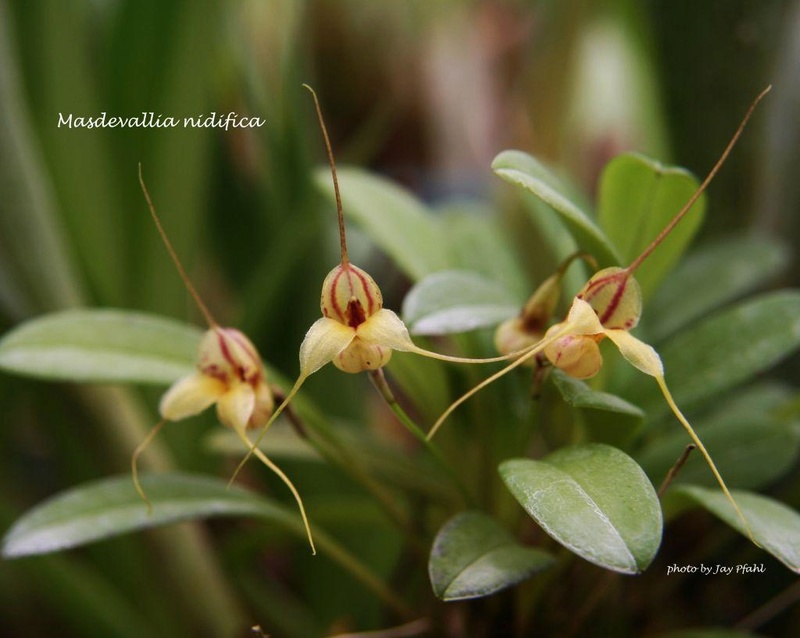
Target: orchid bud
524,330
513,335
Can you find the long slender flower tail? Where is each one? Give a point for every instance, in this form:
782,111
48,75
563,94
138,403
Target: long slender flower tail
715,169
253,447
696,439
174,255
522,356
135,463
452,359
287,481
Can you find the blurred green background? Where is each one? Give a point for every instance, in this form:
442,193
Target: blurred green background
426,93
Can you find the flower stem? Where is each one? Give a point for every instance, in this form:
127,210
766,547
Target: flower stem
379,381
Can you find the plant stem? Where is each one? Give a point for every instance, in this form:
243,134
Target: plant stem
379,381
317,433
673,471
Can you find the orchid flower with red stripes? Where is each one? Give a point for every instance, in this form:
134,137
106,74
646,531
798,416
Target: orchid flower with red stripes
609,306
229,373
355,333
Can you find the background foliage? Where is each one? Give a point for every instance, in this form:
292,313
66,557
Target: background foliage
426,94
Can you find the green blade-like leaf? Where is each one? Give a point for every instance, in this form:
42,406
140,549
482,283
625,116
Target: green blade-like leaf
393,218
523,170
723,351
101,346
710,277
473,556
609,418
593,499
775,526
110,507
37,270
638,198
456,301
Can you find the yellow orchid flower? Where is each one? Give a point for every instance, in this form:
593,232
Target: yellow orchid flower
229,373
610,305
355,333
519,333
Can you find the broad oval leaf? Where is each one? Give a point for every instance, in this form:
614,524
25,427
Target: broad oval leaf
523,170
393,218
109,507
101,346
638,197
593,499
723,351
473,556
454,301
775,526
710,277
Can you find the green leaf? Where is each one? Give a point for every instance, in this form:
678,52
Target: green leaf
393,218
638,198
37,270
580,395
775,526
111,506
456,301
101,346
523,170
478,243
723,351
593,499
710,277
473,556
609,418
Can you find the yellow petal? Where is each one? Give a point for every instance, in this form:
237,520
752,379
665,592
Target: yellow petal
264,406
582,319
577,355
235,407
189,396
361,355
637,352
386,329
324,340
